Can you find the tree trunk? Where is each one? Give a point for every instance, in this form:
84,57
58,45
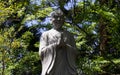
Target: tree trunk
103,36
3,63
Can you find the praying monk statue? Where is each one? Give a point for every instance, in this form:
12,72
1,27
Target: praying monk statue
57,48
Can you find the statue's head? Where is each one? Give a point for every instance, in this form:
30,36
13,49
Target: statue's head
57,19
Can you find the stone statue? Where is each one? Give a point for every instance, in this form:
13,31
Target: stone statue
57,49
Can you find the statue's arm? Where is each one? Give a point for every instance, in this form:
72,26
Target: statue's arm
72,44
45,44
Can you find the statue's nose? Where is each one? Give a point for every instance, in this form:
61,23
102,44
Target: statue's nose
58,18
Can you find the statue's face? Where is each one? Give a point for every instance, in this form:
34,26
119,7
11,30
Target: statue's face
57,21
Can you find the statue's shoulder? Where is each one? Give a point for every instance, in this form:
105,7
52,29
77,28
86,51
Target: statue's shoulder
67,32
46,33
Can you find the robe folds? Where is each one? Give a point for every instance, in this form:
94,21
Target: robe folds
57,61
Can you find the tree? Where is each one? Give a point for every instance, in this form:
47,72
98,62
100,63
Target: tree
16,38
95,25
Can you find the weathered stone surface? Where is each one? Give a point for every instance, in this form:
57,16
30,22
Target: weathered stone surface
58,49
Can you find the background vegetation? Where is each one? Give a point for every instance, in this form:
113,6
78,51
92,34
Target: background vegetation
94,23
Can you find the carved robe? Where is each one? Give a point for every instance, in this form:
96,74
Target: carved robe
57,61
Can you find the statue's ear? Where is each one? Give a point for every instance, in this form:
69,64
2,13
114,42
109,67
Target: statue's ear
51,19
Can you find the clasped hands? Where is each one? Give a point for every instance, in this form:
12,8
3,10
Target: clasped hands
61,43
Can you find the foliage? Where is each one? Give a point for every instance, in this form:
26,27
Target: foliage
94,23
